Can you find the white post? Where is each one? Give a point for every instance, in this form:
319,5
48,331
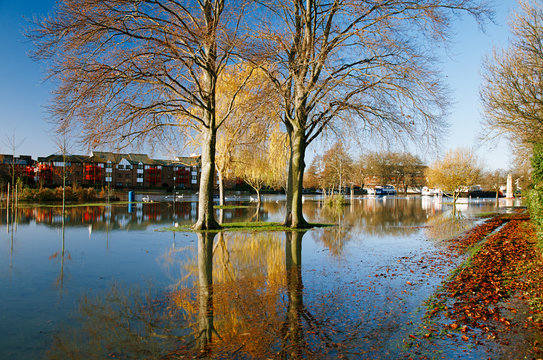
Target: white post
509,192
7,211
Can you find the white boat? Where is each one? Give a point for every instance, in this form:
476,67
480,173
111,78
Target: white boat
382,190
388,190
426,191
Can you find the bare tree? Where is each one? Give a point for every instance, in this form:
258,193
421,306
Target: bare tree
511,90
63,144
337,166
494,180
138,70
12,143
362,65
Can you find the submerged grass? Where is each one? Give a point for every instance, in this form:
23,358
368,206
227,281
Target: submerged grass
249,226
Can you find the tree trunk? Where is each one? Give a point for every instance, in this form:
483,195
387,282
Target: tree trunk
206,215
297,169
293,336
288,212
7,208
497,194
221,216
205,294
221,187
456,194
63,189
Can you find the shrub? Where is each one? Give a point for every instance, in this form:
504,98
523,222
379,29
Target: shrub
335,201
535,207
28,195
537,164
72,194
45,194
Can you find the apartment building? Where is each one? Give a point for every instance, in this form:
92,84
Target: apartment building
118,170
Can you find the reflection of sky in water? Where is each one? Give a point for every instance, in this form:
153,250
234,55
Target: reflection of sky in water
353,275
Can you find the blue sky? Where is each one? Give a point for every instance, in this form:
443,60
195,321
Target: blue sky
24,95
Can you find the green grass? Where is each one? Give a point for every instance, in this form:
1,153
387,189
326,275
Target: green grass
485,215
232,206
249,226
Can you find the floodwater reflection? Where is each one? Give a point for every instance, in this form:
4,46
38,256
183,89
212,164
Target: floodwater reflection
247,302
329,292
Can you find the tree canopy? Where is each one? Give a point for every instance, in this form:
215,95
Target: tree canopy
456,172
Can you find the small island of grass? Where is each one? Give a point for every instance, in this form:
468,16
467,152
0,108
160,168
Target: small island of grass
249,226
232,206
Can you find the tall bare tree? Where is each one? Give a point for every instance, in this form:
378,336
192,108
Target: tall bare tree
494,180
364,65
337,166
135,70
513,80
62,141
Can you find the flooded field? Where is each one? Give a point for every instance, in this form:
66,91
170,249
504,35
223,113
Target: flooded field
111,284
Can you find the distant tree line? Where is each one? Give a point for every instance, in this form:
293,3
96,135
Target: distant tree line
336,170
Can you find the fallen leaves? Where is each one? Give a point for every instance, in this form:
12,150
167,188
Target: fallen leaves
506,264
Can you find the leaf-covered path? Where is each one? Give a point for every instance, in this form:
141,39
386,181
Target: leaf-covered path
494,299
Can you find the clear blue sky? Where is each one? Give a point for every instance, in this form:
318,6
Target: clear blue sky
24,95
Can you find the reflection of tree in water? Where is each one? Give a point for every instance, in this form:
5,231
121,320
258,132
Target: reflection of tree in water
312,210
120,324
334,238
247,302
386,217
447,226
258,303
273,207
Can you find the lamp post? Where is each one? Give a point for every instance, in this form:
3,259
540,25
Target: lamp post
174,195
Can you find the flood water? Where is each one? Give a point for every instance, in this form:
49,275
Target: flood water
111,284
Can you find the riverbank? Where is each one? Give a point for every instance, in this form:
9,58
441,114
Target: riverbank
495,298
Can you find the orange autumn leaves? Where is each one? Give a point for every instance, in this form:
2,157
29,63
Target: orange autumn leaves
507,265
